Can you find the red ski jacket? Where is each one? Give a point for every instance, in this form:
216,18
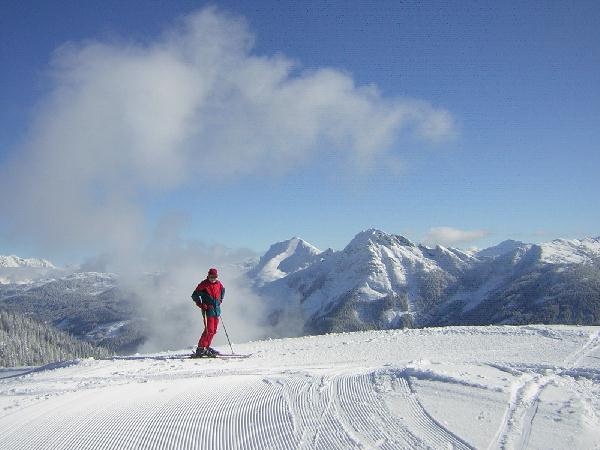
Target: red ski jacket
211,295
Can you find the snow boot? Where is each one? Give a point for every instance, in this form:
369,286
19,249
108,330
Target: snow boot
213,351
202,352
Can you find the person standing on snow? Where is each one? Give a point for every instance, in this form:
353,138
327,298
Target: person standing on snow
208,296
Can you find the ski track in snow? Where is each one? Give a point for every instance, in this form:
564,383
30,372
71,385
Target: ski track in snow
515,430
520,413
586,350
338,398
432,433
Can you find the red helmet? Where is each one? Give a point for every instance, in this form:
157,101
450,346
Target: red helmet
213,272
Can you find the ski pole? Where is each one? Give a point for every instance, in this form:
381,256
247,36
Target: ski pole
226,334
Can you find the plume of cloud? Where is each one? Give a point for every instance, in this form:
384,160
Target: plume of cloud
449,236
125,118
163,293
124,121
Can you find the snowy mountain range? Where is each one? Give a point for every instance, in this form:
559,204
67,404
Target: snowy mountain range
378,281
382,280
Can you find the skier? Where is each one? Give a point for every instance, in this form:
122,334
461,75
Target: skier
208,296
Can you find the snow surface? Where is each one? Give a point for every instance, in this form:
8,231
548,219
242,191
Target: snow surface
461,387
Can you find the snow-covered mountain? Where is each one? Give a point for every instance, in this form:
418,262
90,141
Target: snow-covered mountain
570,251
558,251
377,281
14,262
382,280
501,249
284,258
14,269
496,387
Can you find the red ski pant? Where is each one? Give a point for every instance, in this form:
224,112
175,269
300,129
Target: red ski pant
209,332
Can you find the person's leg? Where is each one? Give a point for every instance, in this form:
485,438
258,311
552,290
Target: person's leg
202,340
211,327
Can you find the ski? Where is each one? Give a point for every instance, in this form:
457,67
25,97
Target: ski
222,356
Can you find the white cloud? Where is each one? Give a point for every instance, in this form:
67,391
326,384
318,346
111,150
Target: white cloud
124,118
449,236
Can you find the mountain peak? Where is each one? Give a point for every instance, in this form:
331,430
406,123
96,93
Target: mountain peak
377,237
283,258
502,248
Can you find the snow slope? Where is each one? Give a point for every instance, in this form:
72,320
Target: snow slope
462,387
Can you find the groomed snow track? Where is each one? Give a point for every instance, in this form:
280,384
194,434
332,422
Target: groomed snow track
337,399
245,412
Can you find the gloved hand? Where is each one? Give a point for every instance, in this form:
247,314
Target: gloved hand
204,306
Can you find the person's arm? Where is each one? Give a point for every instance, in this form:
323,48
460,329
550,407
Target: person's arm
207,301
198,297
222,293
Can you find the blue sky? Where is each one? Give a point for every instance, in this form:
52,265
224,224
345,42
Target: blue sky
519,81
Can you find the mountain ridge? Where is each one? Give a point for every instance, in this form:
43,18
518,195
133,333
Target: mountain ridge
13,261
383,280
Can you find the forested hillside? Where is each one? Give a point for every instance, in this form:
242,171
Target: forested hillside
26,342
